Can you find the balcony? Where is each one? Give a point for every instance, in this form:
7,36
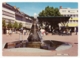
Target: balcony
19,14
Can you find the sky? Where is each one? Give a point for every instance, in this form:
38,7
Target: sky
36,7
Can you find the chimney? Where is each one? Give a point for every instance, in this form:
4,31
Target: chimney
60,7
14,7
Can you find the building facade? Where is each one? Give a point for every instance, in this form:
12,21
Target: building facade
12,13
72,13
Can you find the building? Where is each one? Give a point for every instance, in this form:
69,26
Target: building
12,13
73,13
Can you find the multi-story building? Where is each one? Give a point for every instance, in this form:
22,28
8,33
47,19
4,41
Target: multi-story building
12,13
73,13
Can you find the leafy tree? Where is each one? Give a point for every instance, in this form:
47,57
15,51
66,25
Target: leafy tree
56,12
20,25
42,13
15,25
3,23
50,11
9,25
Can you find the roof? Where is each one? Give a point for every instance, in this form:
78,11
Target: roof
52,16
6,5
56,18
52,19
47,17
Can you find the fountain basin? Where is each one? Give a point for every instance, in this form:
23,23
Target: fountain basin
47,45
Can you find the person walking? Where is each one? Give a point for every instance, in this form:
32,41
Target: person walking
24,32
76,30
7,31
42,32
10,32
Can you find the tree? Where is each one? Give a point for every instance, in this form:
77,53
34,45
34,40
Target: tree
15,25
56,12
3,23
20,25
64,24
50,11
9,25
42,13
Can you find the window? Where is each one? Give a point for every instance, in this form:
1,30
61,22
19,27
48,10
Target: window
76,20
8,14
76,15
64,15
63,10
67,15
19,18
70,15
73,20
70,21
68,10
73,15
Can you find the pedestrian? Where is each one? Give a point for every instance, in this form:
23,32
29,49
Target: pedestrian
52,31
42,32
76,30
24,32
10,32
69,32
21,29
7,31
27,32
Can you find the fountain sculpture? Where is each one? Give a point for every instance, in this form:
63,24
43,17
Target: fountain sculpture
35,40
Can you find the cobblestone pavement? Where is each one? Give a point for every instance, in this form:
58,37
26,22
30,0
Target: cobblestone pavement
73,51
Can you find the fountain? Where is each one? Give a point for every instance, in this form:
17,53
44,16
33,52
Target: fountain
35,40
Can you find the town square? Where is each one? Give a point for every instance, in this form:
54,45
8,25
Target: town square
39,29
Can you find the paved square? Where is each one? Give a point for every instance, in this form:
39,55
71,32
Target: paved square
73,51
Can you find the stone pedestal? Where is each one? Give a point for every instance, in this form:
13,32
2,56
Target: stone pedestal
34,44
